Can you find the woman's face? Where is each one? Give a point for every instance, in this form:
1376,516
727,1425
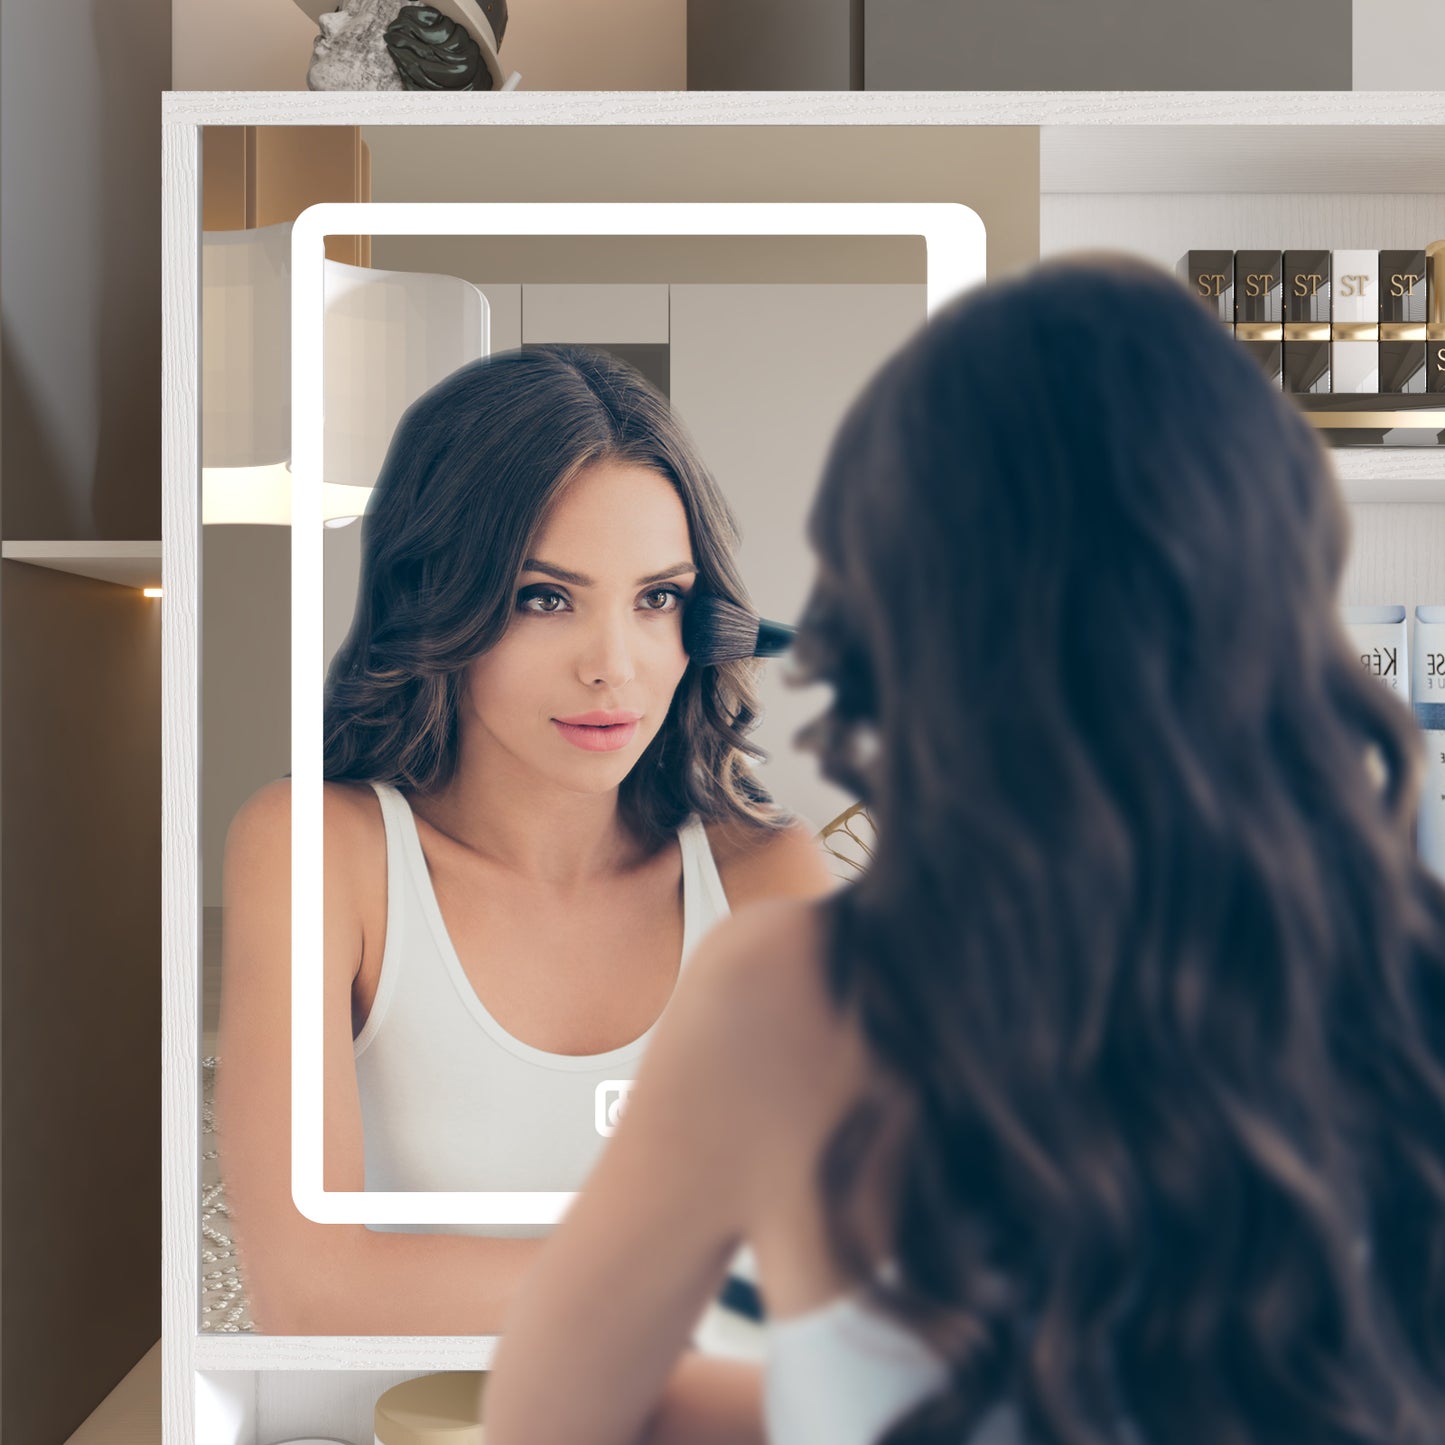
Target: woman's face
582,679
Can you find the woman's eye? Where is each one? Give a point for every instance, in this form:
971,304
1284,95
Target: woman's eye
542,599
662,599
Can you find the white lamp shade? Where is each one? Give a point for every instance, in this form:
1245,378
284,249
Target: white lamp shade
389,336
246,347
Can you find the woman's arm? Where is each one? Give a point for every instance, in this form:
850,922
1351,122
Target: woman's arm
597,1332
302,1277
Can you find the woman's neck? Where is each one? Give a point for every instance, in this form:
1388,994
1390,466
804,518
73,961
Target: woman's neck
528,825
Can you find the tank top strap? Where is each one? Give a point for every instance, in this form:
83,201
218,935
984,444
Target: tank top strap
704,901
402,907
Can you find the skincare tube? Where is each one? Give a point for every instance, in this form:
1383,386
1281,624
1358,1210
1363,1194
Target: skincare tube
1429,696
1402,321
1379,634
1209,275
1355,322
1258,303
1435,316
1306,360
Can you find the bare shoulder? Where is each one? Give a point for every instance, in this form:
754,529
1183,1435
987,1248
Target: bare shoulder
757,863
351,819
759,978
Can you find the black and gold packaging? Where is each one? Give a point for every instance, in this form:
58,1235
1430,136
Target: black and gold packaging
1209,275
1259,308
1355,322
1306,361
1435,316
1402,321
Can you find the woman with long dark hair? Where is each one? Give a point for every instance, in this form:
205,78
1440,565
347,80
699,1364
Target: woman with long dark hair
1109,1104
535,806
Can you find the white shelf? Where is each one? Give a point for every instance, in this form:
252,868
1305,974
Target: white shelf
1244,159
126,564
1102,108
1386,474
334,1352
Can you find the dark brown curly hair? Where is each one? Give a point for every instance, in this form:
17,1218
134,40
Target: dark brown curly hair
1152,974
471,472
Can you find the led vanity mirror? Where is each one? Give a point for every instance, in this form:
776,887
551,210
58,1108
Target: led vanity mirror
752,327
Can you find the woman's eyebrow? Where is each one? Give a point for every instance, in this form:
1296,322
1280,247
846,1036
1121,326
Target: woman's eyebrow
550,569
577,579
678,570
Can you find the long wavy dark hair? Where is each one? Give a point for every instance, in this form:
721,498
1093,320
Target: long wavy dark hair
471,472
1153,978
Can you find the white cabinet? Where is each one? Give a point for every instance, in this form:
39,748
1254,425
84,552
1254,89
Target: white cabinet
761,374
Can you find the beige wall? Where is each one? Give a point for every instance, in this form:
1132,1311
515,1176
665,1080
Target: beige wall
81,939
555,44
80,270
1398,44
649,260
994,169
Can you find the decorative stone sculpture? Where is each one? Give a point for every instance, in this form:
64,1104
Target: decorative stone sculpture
393,45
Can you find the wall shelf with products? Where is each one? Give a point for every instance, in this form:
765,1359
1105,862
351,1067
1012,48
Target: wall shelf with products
1330,176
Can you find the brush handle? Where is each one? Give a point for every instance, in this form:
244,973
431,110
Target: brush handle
774,638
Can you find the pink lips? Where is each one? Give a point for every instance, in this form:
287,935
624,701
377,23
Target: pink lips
598,732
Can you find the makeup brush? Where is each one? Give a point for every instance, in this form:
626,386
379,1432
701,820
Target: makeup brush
715,630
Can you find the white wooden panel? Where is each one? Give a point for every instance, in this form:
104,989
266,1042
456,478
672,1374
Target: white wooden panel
331,1404
980,107
1391,474
1242,158
1165,226
180,743
762,375
594,315
226,1409
409,1354
1397,554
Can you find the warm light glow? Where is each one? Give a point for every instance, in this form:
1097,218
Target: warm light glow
150,591
261,496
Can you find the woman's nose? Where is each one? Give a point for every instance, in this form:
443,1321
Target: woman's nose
330,22
607,656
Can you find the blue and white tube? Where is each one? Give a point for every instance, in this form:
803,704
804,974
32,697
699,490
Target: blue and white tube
1428,695
1379,634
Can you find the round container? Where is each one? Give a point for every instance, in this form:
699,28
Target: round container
432,1410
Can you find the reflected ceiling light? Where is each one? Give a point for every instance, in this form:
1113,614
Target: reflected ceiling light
245,348
261,496
389,336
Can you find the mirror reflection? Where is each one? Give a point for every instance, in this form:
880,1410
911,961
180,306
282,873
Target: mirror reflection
540,798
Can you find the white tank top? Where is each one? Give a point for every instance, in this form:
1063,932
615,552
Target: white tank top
449,1099
845,1373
